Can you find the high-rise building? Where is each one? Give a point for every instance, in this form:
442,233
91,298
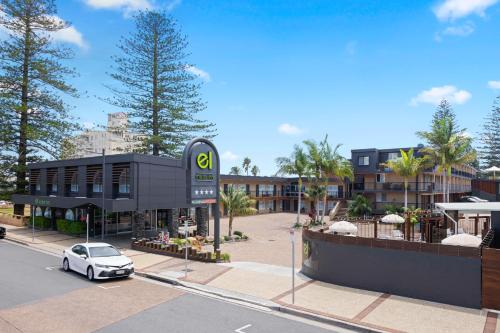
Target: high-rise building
115,138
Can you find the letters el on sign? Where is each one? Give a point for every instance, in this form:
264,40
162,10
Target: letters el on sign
204,160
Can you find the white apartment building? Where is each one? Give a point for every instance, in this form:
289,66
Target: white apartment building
115,139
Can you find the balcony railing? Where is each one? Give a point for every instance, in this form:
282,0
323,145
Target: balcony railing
412,187
290,194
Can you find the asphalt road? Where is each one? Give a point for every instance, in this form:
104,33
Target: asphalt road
32,285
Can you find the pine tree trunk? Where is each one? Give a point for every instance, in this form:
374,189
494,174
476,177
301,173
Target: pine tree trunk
156,144
23,140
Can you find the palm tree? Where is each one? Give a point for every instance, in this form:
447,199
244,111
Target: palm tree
360,206
407,166
315,193
334,165
255,170
459,151
236,171
316,164
246,164
237,203
296,165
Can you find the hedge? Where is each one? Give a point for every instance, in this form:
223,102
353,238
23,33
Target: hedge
71,227
41,222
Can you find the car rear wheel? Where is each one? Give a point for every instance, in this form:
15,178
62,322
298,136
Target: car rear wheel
66,264
90,273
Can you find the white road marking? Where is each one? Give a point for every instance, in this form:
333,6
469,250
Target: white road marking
50,268
240,330
106,288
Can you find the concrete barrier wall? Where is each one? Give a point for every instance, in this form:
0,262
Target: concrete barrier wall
16,220
420,272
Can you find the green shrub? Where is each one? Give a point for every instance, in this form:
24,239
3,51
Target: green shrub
227,238
236,237
238,233
41,222
71,227
225,257
244,237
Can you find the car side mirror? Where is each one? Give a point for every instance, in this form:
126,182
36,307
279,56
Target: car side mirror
83,256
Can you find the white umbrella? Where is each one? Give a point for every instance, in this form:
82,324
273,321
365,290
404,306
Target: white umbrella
493,169
343,227
462,240
393,218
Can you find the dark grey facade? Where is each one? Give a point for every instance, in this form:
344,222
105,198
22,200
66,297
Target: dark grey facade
131,182
432,272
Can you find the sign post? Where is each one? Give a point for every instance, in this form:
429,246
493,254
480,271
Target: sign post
292,239
201,161
186,234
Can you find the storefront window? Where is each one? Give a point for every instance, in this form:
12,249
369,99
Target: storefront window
69,215
38,211
48,213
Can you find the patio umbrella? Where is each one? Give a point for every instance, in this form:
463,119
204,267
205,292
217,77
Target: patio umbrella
393,218
462,240
343,227
493,169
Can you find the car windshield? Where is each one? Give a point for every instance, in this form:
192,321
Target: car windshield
104,251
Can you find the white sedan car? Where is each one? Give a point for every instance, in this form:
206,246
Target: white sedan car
97,261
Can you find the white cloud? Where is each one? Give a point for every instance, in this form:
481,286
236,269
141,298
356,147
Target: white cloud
352,47
456,30
454,9
229,156
199,72
172,4
127,5
289,129
494,84
436,94
68,35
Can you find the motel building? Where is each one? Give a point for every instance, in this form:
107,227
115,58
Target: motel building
131,194
280,194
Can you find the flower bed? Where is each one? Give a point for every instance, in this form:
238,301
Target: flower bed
174,250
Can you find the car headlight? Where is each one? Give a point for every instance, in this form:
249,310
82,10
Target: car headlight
101,266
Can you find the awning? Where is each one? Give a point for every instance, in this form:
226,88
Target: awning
470,207
111,205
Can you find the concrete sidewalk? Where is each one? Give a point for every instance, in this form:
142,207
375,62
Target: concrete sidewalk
270,285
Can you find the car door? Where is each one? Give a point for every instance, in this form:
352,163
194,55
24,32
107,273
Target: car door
75,261
84,262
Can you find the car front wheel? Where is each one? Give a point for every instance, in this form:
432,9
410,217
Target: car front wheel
90,273
66,264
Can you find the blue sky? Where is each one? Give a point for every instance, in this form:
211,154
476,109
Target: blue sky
368,73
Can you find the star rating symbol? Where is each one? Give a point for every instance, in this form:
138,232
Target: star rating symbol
196,192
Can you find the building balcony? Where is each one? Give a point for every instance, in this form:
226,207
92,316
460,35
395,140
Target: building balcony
425,187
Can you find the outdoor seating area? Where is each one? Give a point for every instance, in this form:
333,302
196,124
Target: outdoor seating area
428,227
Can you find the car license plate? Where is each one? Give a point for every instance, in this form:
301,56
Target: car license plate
121,271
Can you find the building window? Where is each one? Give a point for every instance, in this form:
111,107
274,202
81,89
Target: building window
54,183
124,181
380,177
393,156
332,190
364,160
48,213
74,183
381,197
69,215
97,182
38,211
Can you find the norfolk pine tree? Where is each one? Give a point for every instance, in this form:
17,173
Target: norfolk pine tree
155,87
35,120
489,151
